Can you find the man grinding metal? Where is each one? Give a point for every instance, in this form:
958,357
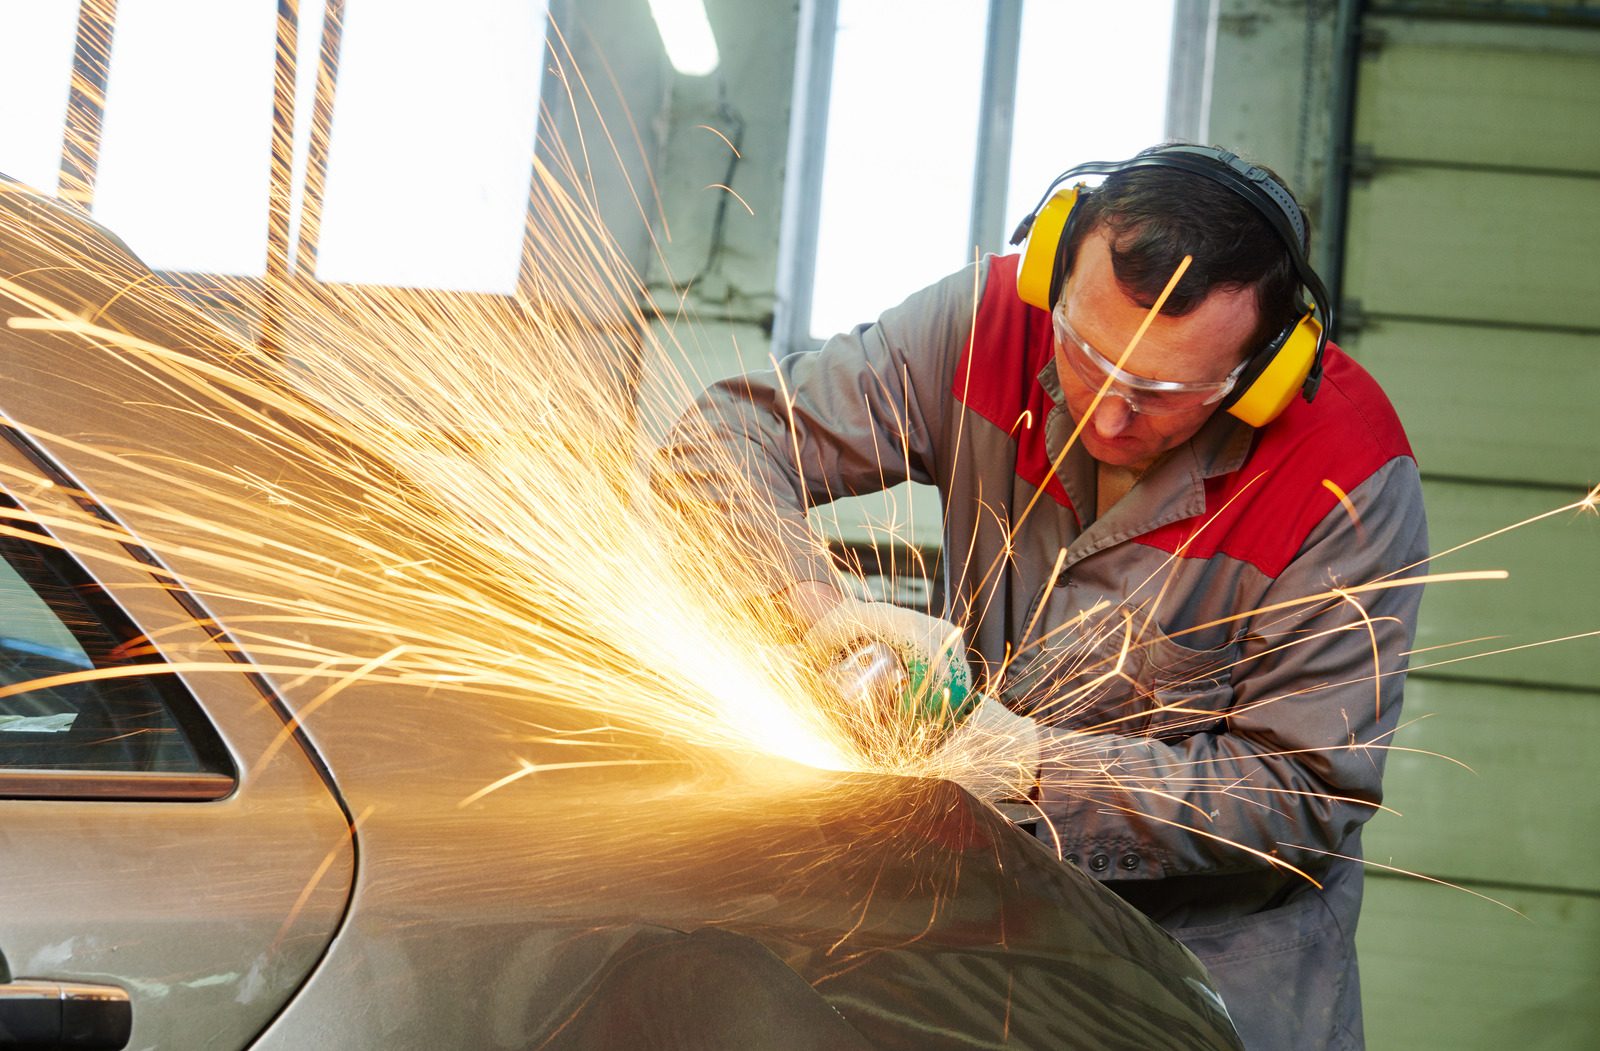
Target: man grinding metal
1133,602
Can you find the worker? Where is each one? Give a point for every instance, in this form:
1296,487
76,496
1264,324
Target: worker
1158,526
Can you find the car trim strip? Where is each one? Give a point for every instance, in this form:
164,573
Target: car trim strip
120,785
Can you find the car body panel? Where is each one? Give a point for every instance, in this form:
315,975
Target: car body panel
210,914
916,915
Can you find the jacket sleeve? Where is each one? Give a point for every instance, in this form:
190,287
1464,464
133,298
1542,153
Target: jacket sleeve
1297,763
859,415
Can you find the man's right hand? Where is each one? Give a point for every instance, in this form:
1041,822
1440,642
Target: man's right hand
934,685
924,704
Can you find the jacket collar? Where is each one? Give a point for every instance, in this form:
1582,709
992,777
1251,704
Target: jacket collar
1173,489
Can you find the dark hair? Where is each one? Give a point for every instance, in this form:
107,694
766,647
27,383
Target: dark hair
1158,215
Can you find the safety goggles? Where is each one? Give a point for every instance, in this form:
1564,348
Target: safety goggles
1147,396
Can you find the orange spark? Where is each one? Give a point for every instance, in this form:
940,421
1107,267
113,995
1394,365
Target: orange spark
721,136
730,189
1349,507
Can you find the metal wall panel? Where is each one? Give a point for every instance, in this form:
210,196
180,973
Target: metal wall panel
1486,402
1473,245
1471,254
1482,978
1553,566
1467,809
1530,98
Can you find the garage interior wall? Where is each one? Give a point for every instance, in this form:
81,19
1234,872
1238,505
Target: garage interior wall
1468,273
1470,278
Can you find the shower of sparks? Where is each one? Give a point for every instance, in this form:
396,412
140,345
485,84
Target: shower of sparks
432,490
465,485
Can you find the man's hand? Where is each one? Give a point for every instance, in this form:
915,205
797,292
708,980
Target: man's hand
906,691
881,654
995,753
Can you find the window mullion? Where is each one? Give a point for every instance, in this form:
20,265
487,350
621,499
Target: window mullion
1194,25
86,101
327,74
992,166
802,205
280,174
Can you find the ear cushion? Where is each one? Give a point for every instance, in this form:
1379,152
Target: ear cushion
1037,272
1277,374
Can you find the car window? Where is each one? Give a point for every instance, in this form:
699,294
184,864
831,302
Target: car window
57,627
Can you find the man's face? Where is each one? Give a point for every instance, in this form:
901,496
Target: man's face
1201,347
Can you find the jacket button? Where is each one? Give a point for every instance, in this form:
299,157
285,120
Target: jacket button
1099,862
1062,581
1072,859
1129,861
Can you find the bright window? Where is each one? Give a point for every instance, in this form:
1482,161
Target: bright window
1108,102
904,120
428,158
432,144
897,173
35,71
185,157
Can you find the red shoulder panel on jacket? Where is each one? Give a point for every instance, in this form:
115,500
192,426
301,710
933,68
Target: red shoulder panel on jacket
1298,469
997,376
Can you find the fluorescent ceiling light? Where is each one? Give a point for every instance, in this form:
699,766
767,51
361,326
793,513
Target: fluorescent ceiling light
686,34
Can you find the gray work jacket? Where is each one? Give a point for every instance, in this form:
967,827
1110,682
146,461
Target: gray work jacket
1216,687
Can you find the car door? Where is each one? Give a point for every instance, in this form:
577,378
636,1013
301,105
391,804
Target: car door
146,844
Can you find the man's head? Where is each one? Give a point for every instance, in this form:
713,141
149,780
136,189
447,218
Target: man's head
1174,379
1158,215
1241,291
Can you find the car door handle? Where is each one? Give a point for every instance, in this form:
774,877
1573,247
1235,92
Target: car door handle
36,1015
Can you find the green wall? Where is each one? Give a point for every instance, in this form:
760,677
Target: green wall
1473,269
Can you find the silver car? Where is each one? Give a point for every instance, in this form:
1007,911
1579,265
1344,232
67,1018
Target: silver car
200,848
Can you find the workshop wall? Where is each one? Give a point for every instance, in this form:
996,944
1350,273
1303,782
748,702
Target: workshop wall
712,269
1469,279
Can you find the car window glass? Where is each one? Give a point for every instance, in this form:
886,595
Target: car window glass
57,628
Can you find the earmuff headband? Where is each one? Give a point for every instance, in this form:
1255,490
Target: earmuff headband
1305,339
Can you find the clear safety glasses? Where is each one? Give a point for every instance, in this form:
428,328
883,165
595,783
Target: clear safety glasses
1147,396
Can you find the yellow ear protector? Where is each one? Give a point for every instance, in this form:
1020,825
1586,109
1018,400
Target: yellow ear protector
1289,363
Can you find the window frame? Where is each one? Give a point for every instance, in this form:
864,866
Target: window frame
293,228
989,228
220,774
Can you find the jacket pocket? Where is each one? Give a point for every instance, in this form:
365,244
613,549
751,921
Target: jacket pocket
1186,690
1117,670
